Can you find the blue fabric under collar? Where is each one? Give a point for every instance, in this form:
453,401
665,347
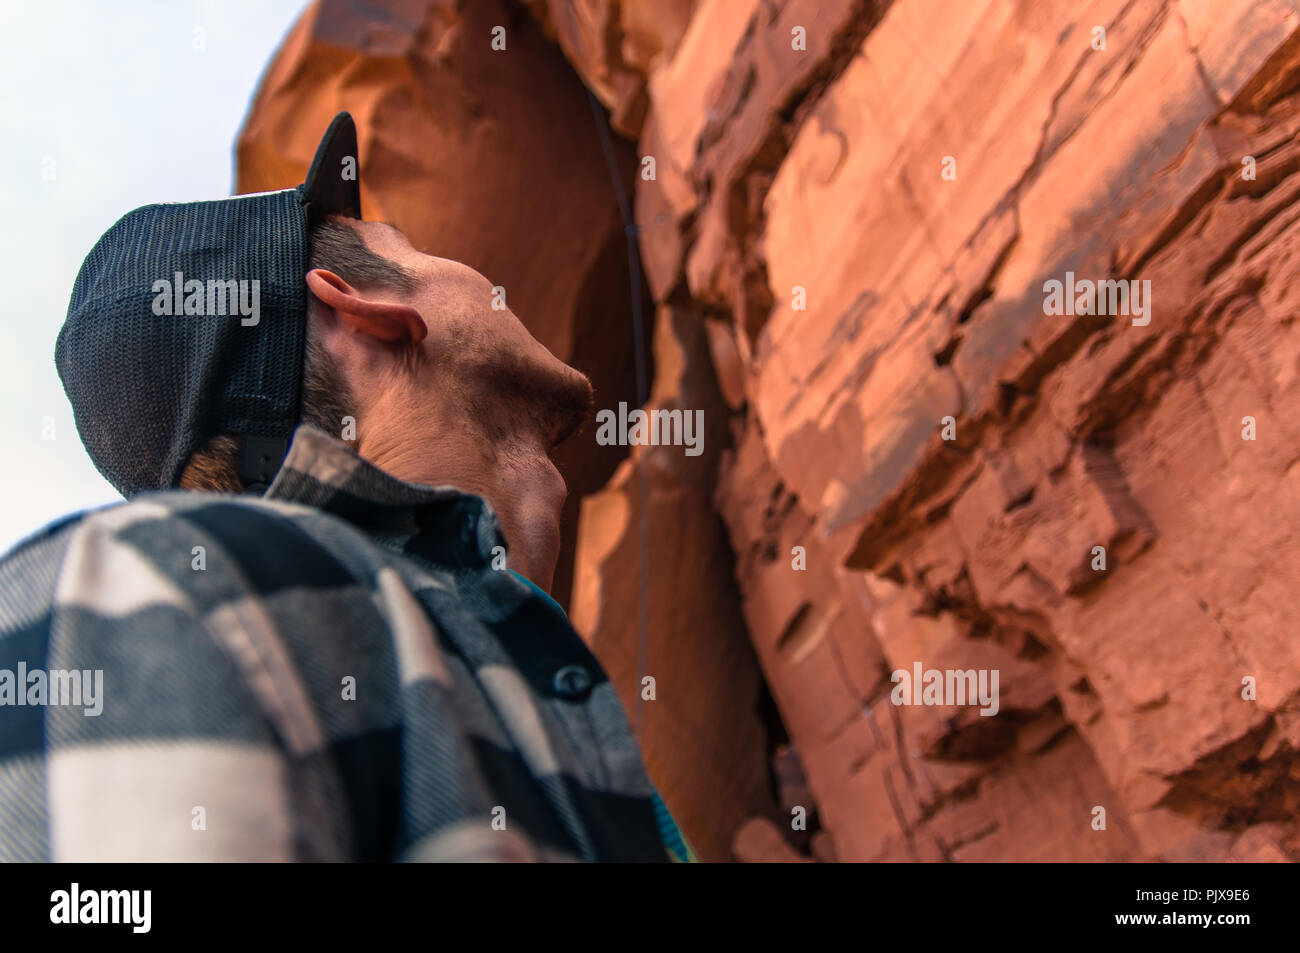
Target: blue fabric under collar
546,597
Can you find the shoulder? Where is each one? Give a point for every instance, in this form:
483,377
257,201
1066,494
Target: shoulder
151,522
189,549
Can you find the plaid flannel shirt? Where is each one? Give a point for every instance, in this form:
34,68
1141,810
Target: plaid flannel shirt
333,671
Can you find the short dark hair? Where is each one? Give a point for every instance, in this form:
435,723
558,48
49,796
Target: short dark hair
337,246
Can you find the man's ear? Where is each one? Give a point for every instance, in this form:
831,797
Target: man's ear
383,320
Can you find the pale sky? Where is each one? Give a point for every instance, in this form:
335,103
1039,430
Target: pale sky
104,106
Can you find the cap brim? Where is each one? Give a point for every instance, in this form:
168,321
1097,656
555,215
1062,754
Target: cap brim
333,185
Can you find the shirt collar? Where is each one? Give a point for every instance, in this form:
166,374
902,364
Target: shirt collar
436,523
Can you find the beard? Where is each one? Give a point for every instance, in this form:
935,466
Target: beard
516,399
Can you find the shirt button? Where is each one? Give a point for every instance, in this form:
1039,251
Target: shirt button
572,682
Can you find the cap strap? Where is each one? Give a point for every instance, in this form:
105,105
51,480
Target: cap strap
259,459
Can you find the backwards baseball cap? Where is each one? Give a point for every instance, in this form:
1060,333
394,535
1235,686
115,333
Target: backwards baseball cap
189,320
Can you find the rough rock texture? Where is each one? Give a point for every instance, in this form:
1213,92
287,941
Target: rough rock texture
847,244
613,44
820,173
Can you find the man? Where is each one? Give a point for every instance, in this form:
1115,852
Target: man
327,658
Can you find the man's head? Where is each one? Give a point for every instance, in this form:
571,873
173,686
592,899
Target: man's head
443,382
200,334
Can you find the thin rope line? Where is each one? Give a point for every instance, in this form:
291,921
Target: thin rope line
643,472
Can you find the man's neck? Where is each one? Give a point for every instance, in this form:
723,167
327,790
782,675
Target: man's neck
471,464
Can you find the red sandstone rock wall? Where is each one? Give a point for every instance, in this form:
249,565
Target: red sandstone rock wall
780,169
819,173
